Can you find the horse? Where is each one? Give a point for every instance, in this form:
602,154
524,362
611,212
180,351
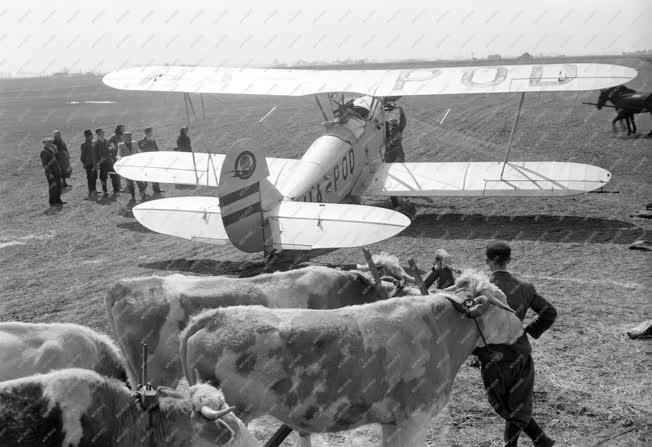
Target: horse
627,103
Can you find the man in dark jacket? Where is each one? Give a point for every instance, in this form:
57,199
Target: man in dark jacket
106,155
183,141
395,122
52,171
90,160
508,370
63,157
148,144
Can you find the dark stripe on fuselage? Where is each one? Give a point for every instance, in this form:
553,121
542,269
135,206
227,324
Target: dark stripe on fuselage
239,194
234,217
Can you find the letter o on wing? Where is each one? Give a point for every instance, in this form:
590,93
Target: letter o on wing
468,78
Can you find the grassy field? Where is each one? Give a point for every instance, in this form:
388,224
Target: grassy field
592,381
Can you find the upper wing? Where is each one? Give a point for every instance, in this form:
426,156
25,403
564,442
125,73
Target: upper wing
183,168
537,178
404,82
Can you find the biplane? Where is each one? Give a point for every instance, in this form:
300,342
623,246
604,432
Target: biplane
267,203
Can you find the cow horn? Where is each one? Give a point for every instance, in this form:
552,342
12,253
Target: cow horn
213,415
362,267
496,302
165,391
480,307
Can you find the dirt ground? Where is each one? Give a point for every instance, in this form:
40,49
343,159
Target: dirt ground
592,382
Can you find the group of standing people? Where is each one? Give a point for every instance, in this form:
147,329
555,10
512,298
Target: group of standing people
98,155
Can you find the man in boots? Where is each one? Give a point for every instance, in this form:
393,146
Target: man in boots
126,148
148,144
90,160
508,370
105,153
52,171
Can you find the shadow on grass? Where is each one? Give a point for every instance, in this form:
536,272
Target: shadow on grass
285,260
534,228
134,226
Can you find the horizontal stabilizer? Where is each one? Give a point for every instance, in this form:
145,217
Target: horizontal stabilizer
536,178
305,225
380,83
180,167
294,225
194,218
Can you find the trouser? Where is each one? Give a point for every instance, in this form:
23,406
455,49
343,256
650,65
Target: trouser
132,189
54,189
394,155
155,187
510,389
115,178
91,178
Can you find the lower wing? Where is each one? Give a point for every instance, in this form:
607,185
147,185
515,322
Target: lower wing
293,225
537,178
185,168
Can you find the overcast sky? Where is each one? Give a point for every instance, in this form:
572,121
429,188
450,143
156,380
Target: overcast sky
39,36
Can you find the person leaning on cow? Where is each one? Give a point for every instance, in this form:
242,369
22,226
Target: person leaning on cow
52,172
126,148
90,160
508,370
148,144
441,274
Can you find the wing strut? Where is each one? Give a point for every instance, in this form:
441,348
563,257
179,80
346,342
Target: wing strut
187,102
511,135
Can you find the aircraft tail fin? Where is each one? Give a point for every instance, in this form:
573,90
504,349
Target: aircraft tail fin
244,194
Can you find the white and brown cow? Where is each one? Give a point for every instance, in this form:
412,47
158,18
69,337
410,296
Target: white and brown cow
32,348
391,362
155,309
80,408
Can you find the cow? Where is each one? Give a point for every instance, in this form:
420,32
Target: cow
390,362
155,309
31,348
79,408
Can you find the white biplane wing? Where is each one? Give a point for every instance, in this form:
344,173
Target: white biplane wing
535,178
380,83
182,168
293,225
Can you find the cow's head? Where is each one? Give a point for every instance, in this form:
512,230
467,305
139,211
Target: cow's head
389,284
212,421
474,295
388,265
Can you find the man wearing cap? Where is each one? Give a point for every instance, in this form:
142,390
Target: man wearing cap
90,160
126,148
441,271
148,144
395,122
508,370
105,153
52,171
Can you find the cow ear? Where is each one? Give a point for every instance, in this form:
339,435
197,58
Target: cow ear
362,267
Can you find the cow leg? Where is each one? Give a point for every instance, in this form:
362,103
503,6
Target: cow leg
409,433
633,123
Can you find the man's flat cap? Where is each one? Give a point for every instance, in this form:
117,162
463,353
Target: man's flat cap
498,248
